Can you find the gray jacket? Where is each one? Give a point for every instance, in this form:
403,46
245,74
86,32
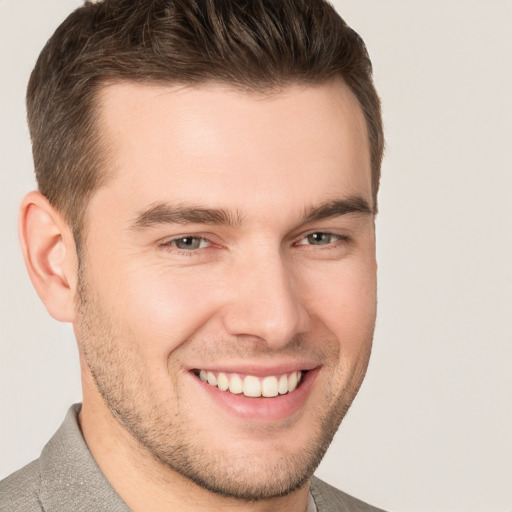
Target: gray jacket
66,478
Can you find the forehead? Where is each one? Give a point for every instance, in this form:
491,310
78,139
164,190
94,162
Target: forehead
172,143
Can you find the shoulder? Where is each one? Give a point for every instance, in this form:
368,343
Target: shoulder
330,499
19,491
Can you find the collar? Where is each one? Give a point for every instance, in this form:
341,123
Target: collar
70,477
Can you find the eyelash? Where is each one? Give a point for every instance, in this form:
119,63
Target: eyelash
169,244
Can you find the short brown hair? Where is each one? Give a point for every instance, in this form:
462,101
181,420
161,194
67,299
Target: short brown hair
256,45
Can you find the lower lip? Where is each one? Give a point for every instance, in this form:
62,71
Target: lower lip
270,409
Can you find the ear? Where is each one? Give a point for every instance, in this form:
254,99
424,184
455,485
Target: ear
50,255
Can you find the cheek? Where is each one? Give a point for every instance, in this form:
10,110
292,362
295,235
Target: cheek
344,298
164,308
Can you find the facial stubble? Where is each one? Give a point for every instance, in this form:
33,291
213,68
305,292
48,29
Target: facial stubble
164,434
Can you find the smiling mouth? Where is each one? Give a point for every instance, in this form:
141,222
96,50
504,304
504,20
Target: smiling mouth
250,385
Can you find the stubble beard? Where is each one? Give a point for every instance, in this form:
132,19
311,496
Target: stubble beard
164,435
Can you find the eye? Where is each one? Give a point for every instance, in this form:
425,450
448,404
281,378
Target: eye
319,238
188,243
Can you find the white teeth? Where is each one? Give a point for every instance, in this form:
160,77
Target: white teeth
283,385
212,379
292,381
269,386
222,382
252,386
236,386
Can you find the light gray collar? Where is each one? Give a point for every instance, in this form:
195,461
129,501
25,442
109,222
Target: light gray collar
70,477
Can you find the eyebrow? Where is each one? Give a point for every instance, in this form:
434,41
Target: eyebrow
164,213
337,208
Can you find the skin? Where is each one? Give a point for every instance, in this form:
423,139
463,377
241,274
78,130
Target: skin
257,294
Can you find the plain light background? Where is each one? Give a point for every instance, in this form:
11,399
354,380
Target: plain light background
431,429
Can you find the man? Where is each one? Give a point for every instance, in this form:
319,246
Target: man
208,176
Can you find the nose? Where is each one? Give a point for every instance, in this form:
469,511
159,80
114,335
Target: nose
265,301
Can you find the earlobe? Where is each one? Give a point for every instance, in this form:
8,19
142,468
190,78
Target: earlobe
50,255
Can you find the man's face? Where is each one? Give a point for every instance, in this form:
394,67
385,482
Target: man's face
233,244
